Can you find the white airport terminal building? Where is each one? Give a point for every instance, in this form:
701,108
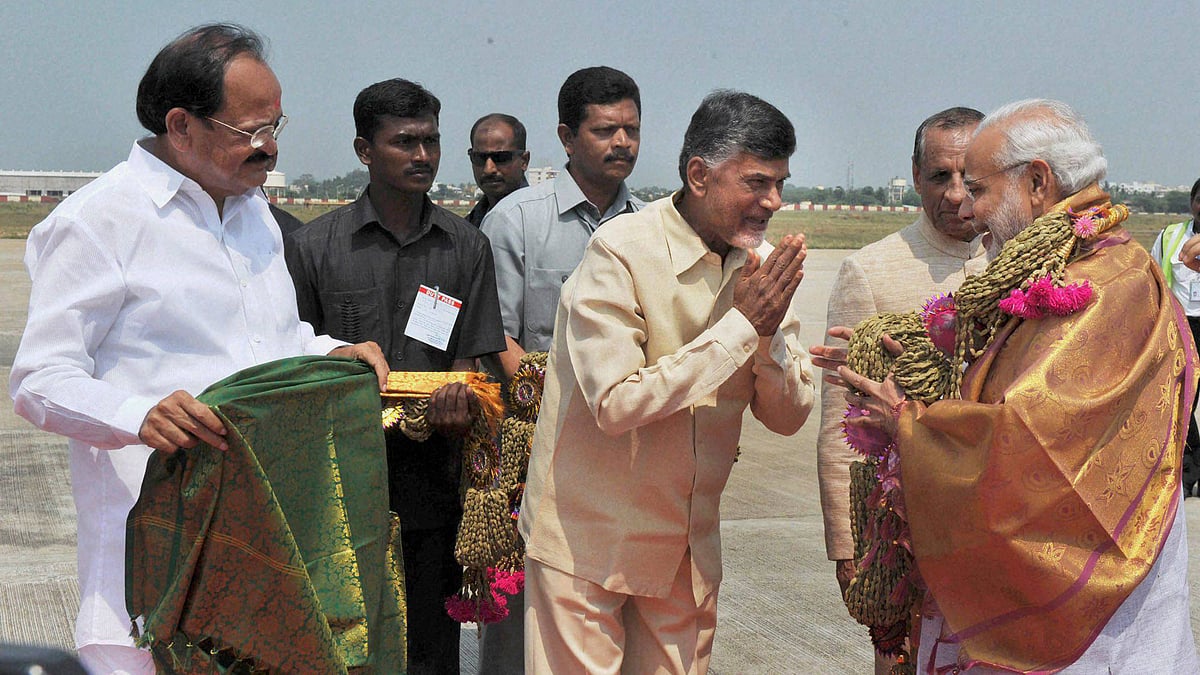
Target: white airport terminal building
59,184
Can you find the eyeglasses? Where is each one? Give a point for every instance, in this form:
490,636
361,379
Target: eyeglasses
969,185
499,158
259,137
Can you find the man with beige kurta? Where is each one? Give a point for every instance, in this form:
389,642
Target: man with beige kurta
896,274
670,327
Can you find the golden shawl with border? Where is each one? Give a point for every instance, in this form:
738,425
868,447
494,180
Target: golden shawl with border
1039,500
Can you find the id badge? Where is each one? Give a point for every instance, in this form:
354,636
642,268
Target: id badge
432,318
1194,290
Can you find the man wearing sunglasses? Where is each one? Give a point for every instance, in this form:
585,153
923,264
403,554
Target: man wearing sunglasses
159,278
498,159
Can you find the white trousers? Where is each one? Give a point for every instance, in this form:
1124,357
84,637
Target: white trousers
116,660
1151,632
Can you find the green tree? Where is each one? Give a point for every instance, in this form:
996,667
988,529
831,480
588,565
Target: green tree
1177,201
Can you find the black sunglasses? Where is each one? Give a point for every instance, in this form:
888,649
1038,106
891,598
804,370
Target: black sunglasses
498,158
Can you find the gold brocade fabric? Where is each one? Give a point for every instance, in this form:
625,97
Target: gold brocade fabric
485,536
278,554
1041,499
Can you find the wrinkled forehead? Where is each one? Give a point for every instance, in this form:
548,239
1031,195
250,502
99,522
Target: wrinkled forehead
251,88
946,146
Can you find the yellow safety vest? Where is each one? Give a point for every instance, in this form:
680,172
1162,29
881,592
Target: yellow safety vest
1172,236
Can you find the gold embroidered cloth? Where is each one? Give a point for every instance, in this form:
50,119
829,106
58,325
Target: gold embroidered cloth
278,554
1041,499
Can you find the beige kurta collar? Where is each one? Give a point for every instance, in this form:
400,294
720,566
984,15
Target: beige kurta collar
684,246
949,245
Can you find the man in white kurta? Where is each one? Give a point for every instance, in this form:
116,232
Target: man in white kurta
157,279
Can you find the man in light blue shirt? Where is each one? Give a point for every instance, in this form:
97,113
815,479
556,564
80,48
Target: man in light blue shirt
538,235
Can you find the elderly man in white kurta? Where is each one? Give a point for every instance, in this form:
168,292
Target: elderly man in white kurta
157,279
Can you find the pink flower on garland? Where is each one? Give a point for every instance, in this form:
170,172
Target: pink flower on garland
940,315
1017,304
1084,226
867,441
1043,297
1084,223
497,610
461,609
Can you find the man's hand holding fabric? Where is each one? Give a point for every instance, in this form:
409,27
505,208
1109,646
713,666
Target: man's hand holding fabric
370,354
180,421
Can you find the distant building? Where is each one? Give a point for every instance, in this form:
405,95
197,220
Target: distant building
1140,188
43,183
276,185
1137,187
541,175
896,189
59,184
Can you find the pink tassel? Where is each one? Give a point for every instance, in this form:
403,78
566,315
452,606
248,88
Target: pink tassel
1042,297
1017,304
461,609
507,582
1069,299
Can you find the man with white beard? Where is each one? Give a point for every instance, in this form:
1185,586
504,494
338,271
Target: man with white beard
1040,489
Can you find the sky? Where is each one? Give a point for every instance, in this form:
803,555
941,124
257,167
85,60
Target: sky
855,78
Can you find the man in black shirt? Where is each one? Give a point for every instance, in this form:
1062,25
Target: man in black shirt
367,269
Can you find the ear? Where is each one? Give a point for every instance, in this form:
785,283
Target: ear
698,175
362,148
567,138
1043,186
525,160
916,171
179,129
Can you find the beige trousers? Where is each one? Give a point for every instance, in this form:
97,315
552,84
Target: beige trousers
575,626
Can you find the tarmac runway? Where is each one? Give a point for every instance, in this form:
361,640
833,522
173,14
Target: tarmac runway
779,610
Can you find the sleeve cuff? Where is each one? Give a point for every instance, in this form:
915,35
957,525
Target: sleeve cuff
323,344
736,334
129,417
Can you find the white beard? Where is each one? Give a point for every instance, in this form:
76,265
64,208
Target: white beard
748,240
1006,223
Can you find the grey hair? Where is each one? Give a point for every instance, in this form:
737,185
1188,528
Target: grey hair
950,119
1052,132
729,122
